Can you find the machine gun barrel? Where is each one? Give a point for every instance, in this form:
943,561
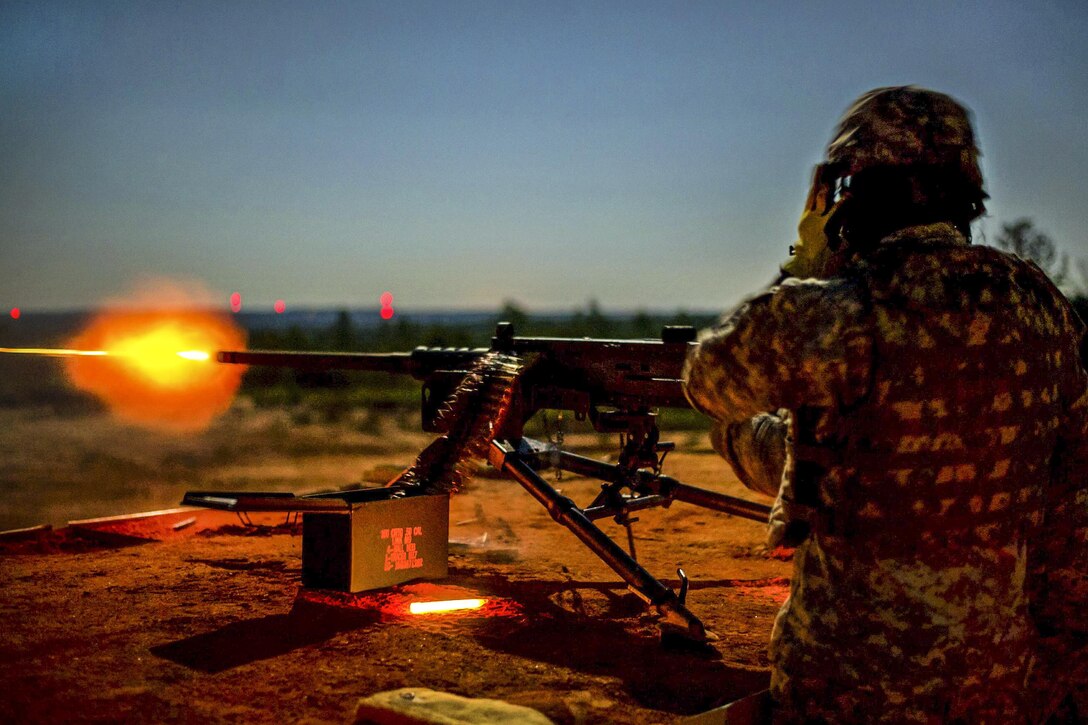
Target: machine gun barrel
419,363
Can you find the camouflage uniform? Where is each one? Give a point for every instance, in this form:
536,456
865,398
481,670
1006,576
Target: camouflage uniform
937,459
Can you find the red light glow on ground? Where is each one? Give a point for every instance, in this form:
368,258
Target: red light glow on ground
15,313
450,605
279,307
235,302
774,590
399,602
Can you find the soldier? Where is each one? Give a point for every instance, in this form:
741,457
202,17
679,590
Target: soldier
934,476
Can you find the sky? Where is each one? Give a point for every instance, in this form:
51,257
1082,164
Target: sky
463,154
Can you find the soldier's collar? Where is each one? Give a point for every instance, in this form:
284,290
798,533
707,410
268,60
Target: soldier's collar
942,233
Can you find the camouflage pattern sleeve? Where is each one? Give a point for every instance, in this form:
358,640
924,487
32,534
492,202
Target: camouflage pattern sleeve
1058,578
805,343
1067,510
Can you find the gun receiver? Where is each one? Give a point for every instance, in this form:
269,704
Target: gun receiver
603,380
615,384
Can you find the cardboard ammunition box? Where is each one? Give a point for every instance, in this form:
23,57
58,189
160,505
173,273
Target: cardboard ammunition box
377,544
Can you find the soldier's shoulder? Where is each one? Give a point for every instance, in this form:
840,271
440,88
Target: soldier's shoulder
1025,270
807,302
1031,278
827,293
832,288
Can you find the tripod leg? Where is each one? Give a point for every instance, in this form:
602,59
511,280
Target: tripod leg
676,619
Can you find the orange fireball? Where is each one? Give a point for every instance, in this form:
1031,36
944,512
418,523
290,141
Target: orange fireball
157,369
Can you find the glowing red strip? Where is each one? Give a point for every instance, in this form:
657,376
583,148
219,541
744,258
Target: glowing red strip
446,606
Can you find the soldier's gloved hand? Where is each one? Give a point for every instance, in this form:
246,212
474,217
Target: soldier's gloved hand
755,449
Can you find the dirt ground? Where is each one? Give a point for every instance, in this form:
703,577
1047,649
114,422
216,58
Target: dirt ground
210,623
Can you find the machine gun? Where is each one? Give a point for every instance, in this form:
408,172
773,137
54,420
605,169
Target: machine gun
480,399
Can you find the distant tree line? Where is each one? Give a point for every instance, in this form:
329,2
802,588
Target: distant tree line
343,335
403,334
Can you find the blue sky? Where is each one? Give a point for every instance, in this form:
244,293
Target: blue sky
461,154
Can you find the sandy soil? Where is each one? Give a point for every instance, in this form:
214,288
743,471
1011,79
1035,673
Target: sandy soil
210,623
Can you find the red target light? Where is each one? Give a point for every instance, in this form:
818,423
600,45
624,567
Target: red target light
386,301
236,302
15,313
279,307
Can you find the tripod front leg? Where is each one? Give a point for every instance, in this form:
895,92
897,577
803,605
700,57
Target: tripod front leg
677,620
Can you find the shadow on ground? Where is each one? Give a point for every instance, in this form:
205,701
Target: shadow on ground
678,680
252,640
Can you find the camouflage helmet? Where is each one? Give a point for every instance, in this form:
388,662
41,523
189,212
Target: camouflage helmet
906,126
